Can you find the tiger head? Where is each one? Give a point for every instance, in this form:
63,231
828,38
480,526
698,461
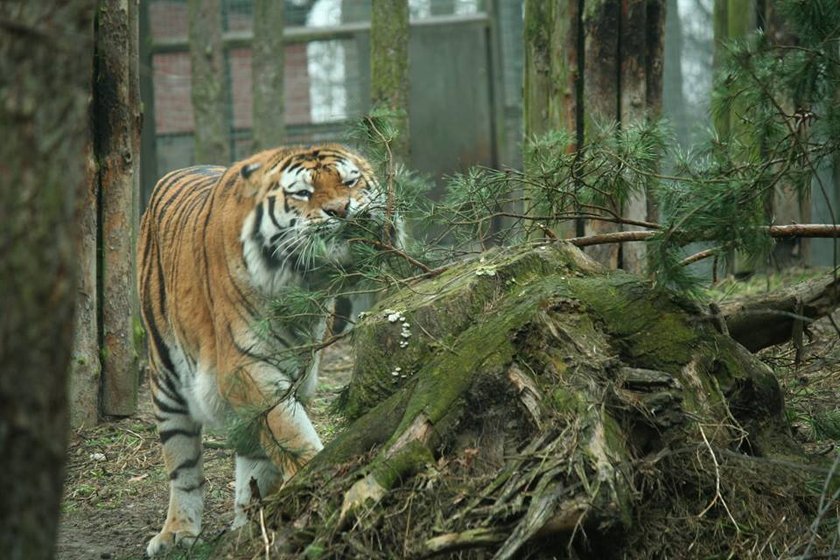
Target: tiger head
303,197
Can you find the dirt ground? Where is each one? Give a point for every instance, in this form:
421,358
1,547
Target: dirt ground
116,489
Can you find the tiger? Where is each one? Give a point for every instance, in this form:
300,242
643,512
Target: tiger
215,246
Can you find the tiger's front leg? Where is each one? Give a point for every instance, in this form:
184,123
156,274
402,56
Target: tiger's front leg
288,441
180,436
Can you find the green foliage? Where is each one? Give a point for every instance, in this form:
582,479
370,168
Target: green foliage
781,99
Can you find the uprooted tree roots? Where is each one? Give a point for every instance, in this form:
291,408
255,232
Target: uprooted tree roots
532,404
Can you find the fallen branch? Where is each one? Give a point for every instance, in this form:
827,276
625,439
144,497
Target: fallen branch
776,232
763,320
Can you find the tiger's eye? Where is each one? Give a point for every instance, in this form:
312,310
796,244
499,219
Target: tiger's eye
303,195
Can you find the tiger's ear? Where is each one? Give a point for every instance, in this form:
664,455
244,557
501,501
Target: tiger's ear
248,188
247,170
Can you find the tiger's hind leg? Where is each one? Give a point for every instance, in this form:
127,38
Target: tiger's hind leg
289,442
180,436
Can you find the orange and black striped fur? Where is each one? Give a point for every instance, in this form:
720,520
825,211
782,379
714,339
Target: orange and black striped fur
215,246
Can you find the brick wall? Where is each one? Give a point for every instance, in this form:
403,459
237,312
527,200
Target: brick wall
172,82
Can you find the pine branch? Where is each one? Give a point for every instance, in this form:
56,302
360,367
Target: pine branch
387,248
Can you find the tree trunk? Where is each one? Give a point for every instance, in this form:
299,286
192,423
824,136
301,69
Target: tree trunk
550,89
642,36
389,84
85,370
116,122
532,403
209,98
267,63
45,57
673,98
601,21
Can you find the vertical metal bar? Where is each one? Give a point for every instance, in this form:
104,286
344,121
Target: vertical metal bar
494,83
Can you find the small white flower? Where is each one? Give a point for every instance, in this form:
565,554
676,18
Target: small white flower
97,456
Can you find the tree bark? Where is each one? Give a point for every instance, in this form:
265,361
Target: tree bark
642,42
116,118
601,21
45,65
389,85
533,402
268,67
86,368
550,89
622,83
209,97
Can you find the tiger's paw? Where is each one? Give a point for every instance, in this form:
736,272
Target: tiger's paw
165,540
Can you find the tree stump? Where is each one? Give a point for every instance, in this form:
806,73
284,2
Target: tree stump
534,404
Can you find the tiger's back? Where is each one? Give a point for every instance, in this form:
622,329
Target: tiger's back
168,244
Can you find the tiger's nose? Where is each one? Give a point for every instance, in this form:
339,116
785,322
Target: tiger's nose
337,209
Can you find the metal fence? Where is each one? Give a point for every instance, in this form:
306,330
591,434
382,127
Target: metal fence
465,74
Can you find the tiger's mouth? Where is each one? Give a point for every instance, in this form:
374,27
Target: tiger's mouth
308,250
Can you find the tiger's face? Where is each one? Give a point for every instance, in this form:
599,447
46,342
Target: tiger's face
303,196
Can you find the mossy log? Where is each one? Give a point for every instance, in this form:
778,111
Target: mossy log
533,404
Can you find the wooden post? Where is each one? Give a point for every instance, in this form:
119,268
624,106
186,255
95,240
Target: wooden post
116,142
267,62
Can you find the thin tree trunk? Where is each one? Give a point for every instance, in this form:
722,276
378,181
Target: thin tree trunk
632,107
551,74
45,57
267,63
721,34
84,383
116,144
389,65
601,20
673,99
657,11
640,98
209,98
